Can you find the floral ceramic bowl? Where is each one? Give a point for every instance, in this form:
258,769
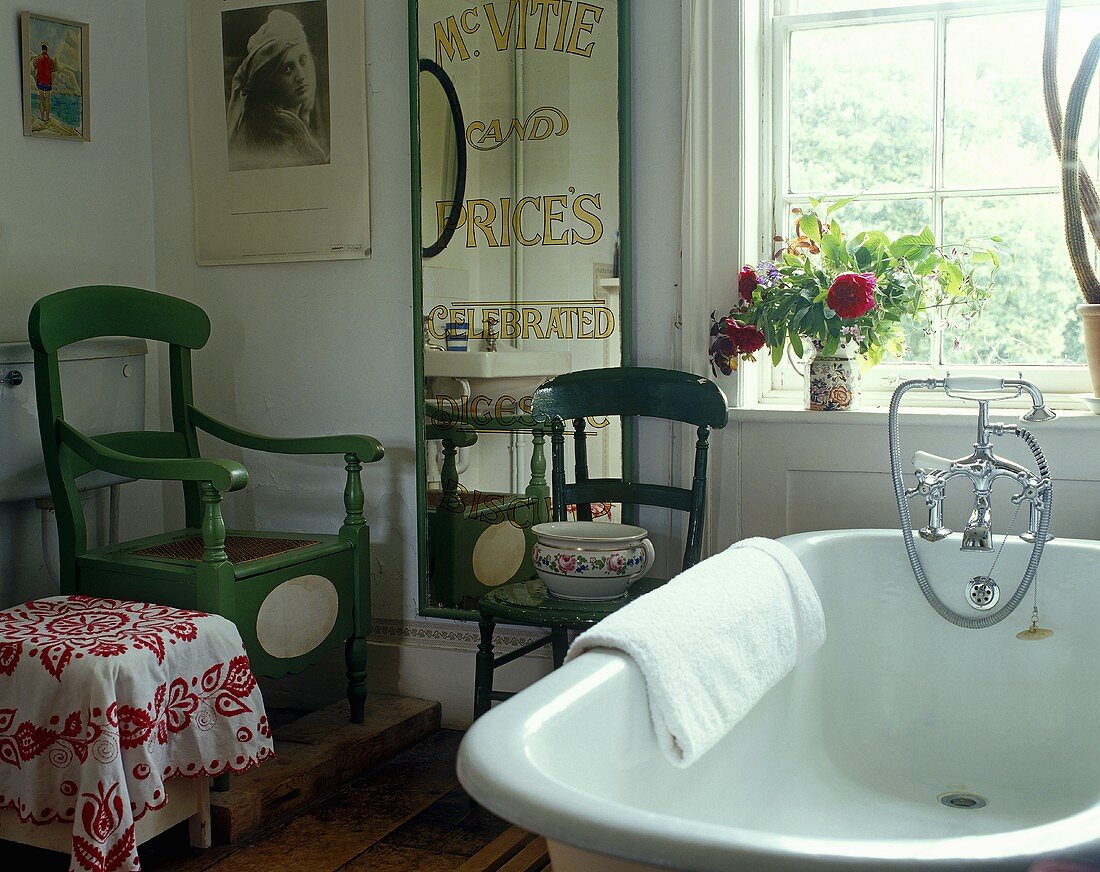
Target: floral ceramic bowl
590,560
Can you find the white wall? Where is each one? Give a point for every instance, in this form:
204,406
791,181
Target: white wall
74,213
296,348
789,472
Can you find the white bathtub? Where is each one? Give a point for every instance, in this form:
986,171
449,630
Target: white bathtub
842,764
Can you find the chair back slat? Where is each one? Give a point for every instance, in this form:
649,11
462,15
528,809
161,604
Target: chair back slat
615,490
632,391
110,310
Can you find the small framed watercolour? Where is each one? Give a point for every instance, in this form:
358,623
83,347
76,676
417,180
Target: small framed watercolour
55,78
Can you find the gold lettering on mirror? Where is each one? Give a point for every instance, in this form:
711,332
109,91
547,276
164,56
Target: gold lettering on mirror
499,226
519,152
575,19
541,123
571,321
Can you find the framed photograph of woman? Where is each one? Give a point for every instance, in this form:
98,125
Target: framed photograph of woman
55,77
276,97
277,173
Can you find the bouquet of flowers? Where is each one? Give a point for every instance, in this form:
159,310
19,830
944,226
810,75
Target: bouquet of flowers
824,288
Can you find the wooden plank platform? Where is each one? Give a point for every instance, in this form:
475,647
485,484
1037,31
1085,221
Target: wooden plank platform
514,850
315,755
407,815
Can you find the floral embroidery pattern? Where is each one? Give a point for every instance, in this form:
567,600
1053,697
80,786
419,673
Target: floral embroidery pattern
59,629
101,763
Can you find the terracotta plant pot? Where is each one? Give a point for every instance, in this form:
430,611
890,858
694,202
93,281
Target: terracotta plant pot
1090,327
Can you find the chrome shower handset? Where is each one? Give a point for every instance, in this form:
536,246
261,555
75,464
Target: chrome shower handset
965,386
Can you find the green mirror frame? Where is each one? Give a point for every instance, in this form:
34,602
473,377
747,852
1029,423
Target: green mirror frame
626,309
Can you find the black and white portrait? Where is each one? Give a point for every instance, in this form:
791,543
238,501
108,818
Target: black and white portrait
277,85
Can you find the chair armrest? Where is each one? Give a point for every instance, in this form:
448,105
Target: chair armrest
366,448
225,475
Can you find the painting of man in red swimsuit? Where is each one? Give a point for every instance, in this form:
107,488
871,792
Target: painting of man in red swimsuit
44,68
55,81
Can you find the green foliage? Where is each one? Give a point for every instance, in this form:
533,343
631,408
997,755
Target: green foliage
861,102
917,281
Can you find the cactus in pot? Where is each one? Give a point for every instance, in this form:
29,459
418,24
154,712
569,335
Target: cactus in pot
1079,195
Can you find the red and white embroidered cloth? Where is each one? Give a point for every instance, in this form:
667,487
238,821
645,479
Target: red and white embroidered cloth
103,701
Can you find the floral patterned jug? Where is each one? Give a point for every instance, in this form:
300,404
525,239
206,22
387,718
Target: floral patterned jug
833,382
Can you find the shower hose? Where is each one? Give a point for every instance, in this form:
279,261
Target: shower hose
941,609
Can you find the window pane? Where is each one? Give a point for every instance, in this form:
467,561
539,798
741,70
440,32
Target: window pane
1031,318
861,106
995,128
894,218
808,7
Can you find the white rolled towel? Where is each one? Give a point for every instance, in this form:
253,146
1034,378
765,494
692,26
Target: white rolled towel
714,640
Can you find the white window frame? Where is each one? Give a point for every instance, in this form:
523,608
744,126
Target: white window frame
782,385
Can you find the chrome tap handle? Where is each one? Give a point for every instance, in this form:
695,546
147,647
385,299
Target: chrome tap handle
1037,504
934,493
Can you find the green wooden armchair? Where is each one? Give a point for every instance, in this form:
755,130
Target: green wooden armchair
292,596
462,522
625,392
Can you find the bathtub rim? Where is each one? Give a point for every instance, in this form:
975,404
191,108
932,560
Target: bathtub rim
495,768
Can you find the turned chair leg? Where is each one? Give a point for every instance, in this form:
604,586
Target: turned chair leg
355,656
483,670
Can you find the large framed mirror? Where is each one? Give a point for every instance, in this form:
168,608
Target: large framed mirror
521,256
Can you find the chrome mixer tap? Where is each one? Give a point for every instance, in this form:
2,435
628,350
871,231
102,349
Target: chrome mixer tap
982,467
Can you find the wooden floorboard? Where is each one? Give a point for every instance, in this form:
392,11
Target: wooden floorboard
514,850
408,814
314,756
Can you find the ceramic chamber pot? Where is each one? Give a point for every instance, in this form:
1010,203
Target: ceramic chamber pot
590,560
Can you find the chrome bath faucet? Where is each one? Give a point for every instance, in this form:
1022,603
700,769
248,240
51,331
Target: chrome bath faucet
982,466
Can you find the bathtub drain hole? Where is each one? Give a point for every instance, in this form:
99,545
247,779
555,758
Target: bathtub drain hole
963,800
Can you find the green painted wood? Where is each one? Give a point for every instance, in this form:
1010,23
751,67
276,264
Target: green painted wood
110,310
214,583
225,475
617,491
122,558
179,380
632,391
530,604
366,448
62,468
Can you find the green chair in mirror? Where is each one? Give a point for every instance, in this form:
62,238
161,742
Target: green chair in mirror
477,540
293,596
626,392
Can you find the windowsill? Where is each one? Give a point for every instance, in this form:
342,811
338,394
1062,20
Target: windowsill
919,416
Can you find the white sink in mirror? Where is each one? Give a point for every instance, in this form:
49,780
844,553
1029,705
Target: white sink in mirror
493,374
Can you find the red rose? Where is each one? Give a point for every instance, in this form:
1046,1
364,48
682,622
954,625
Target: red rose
852,294
746,283
750,339
745,337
